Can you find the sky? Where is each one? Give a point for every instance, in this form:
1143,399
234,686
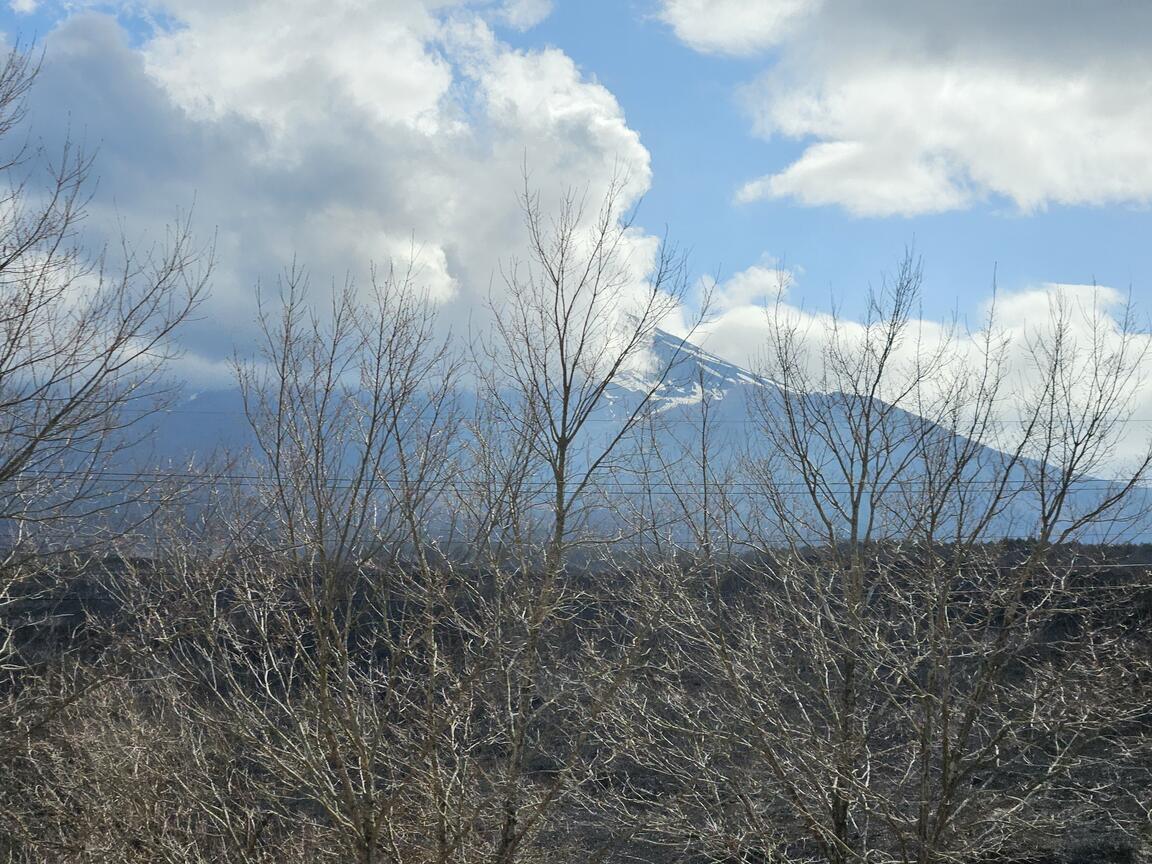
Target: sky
797,143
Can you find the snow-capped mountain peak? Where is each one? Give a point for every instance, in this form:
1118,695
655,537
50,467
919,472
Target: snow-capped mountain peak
690,375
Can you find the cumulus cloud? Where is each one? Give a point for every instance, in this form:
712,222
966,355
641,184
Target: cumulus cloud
241,60
737,27
751,289
395,134
864,180
907,108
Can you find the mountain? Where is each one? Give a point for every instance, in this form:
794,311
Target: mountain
746,416
693,374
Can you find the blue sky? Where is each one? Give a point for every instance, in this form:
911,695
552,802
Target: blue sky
821,136
688,110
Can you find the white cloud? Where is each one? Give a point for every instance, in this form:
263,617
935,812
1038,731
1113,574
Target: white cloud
906,139
525,14
863,180
909,108
355,135
738,27
334,58
1093,318
1021,310
750,289
24,7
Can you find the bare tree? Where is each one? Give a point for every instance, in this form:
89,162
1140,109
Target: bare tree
579,316
84,343
327,650
576,321
889,678
351,410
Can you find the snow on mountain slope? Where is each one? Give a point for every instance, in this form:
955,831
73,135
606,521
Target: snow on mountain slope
692,374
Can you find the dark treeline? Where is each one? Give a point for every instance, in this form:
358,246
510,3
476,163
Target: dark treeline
449,607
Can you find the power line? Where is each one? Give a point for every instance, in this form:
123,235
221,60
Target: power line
731,421
338,482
